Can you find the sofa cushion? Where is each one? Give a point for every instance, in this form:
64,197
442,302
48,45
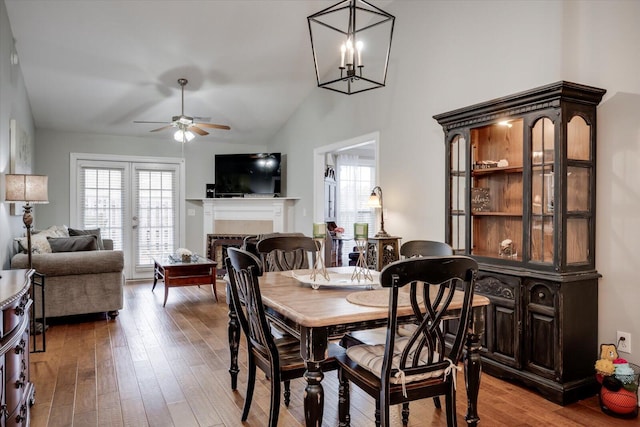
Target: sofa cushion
94,232
70,263
73,243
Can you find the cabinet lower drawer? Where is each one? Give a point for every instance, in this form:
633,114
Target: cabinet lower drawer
13,314
16,372
21,417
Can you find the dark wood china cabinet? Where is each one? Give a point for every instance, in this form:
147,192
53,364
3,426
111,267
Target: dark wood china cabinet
520,199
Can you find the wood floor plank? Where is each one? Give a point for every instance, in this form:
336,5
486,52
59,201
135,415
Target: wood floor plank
109,410
157,366
133,413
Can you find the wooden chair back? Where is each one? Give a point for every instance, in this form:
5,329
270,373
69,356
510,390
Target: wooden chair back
244,269
432,284
414,248
283,253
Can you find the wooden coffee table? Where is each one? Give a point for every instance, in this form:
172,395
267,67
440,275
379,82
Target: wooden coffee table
175,273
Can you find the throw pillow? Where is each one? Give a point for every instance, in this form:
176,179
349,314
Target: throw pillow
53,231
94,232
39,244
87,242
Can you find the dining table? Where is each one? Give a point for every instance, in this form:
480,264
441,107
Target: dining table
318,311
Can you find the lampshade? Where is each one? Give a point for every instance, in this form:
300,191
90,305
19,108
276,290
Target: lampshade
183,135
374,200
26,188
351,53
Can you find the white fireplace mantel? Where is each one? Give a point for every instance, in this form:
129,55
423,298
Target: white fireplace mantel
278,210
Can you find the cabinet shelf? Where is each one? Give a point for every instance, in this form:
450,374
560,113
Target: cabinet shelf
482,213
488,171
488,254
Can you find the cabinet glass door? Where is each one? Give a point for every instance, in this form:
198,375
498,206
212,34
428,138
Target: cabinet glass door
457,183
579,176
497,190
542,191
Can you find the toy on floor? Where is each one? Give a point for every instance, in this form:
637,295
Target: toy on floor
619,379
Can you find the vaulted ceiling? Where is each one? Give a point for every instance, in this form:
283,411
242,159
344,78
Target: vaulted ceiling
97,66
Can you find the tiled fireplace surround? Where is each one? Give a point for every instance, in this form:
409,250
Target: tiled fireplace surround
227,221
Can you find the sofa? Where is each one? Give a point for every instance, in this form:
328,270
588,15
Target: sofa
81,281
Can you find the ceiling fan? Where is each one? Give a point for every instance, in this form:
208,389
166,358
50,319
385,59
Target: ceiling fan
186,126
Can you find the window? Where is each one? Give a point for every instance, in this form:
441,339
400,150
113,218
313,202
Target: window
356,178
156,209
102,201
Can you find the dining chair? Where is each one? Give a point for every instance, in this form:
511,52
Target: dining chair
278,358
414,248
410,249
417,366
284,253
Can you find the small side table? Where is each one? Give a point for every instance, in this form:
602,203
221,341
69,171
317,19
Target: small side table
386,250
200,271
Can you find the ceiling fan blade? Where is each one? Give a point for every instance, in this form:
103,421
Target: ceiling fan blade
142,121
213,126
161,128
197,130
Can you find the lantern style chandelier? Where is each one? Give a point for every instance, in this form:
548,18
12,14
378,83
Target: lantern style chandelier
351,44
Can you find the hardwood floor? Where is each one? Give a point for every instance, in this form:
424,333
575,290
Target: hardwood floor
155,366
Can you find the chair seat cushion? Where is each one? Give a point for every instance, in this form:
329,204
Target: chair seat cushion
374,336
370,357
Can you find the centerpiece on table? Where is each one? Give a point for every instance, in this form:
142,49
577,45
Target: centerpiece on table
184,254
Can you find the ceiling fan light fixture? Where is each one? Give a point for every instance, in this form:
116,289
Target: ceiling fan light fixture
183,135
187,127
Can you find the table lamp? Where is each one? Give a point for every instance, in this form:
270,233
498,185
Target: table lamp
375,201
29,189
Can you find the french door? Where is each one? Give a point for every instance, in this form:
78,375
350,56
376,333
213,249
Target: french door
138,203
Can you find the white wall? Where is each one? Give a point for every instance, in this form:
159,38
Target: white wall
13,105
450,54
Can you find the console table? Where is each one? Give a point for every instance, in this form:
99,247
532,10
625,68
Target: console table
17,389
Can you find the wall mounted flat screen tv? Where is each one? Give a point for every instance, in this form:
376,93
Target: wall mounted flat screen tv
240,175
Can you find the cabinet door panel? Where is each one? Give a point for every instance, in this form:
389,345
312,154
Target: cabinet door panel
502,331
541,329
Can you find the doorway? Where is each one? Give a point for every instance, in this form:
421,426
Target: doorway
357,160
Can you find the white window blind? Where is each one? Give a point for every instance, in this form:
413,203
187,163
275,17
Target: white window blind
356,179
102,202
156,208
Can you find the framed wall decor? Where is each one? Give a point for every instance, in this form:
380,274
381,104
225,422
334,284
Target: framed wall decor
21,154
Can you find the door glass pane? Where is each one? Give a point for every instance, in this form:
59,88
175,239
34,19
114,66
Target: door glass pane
577,240
578,138
542,239
542,142
155,211
542,190
101,198
578,179
457,181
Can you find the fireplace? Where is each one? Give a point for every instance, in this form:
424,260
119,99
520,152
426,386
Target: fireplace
233,218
